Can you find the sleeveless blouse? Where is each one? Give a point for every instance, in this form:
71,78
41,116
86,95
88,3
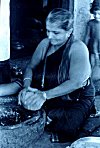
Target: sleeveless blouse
51,70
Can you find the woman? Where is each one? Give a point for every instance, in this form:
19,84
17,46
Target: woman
58,77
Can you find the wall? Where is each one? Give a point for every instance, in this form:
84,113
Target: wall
81,16
4,30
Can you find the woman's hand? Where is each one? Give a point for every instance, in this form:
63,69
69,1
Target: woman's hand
32,100
23,93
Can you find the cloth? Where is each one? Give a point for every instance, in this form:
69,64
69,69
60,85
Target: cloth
68,117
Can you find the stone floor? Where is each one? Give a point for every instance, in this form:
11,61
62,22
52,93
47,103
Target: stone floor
44,140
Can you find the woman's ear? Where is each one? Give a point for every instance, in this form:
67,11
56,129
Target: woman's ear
68,32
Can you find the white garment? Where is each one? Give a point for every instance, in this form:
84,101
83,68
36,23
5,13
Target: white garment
4,30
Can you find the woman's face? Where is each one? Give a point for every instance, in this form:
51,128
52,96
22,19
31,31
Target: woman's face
55,34
97,15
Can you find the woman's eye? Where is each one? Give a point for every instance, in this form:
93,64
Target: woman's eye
52,32
56,32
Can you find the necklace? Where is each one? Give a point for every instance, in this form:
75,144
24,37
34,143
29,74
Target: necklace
45,60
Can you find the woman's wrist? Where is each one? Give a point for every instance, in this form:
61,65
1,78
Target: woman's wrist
44,95
26,86
26,82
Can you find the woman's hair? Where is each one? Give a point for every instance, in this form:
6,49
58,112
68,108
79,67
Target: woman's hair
62,17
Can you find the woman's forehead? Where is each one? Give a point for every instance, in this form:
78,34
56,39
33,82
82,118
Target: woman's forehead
53,25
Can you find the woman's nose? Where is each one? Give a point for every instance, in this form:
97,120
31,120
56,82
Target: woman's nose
51,35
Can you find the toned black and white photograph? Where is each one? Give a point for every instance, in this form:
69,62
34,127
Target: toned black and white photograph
49,73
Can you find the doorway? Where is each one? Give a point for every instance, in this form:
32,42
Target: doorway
27,21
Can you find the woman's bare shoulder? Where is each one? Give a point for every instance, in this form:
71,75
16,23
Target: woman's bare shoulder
42,45
41,48
78,48
44,41
78,45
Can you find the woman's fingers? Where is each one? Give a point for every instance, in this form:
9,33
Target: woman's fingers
28,100
21,96
32,89
34,102
19,99
28,95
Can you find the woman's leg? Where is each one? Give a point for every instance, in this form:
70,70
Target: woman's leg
67,120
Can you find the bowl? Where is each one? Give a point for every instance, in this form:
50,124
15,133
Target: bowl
86,142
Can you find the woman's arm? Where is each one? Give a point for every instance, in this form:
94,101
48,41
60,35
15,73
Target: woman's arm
35,60
79,72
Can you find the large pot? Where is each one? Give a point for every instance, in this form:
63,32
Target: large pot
19,128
